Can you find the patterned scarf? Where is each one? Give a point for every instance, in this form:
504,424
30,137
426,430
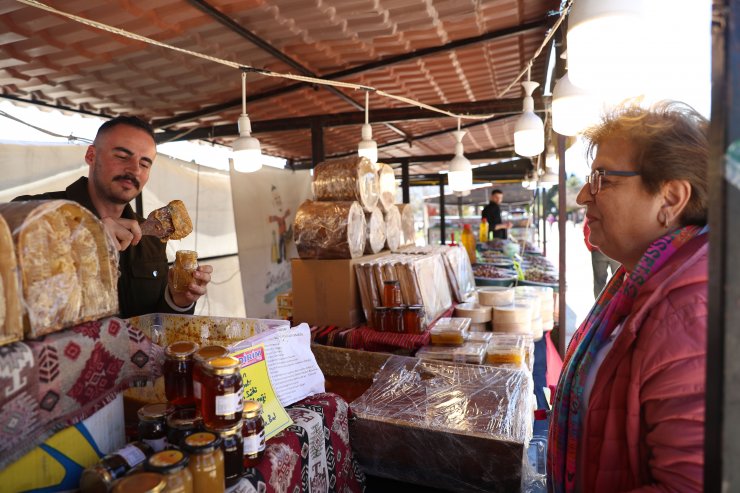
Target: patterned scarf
612,307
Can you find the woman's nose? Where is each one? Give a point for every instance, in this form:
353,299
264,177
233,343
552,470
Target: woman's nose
584,195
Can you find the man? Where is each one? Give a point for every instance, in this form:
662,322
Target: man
599,262
492,214
120,159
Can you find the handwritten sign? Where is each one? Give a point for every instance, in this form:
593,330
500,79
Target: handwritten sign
257,387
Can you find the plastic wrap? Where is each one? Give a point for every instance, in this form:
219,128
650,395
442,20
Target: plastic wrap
471,352
387,187
450,331
11,310
393,227
329,230
449,426
68,264
408,236
511,350
375,231
457,265
349,179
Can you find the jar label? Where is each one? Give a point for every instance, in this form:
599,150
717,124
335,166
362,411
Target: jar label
196,389
157,444
228,404
132,454
254,444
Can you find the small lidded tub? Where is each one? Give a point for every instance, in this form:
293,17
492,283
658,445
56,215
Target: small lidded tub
178,373
173,465
206,462
222,403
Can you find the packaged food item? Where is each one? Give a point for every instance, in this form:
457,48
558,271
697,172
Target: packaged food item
178,373
206,462
375,231
221,404
391,293
11,310
408,236
200,357
253,432
478,314
182,423
393,231
387,187
397,319
496,295
100,477
348,179
518,343
173,465
142,482
153,424
497,355
515,318
186,263
484,327
484,337
330,230
469,352
414,319
232,446
450,331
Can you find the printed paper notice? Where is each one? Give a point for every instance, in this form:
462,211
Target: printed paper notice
257,387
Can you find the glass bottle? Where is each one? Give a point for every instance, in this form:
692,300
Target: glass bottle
221,405
178,373
468,241
182,423
206,462
142,482
397,319
100,477
153,425
173,465
413,319
253,432
186,263
391,293
200,357
232,446
483,232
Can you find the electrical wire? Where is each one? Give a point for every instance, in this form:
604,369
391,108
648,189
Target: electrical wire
295,77
70,137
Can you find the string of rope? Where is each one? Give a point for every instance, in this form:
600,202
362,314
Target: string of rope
70,137
295,77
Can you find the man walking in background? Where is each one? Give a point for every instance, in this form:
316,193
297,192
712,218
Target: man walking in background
492,214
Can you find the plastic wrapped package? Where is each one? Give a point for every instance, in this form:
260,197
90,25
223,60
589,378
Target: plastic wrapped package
408,236
445,425
450,331
68,264
511,349
393,227
348,179
471,352
329,230
375,231
478,336
369,293
457,265
533,299
409,287
387,187
431,278
11,310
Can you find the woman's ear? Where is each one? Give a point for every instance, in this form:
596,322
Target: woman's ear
675,194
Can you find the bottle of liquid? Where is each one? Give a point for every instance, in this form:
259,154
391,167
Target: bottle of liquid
452,239
483,232
468,242
274,250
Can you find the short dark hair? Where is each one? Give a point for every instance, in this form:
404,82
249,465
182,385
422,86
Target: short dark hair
131,121
496,190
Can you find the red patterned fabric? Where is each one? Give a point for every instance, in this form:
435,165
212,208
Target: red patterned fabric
62,378
313,454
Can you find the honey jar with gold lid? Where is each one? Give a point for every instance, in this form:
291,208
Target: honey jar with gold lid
173,465
221,403
142,482
206,462
201,356
178,373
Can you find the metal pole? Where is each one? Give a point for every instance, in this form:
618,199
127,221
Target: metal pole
562,339
442,232
544,223
405,181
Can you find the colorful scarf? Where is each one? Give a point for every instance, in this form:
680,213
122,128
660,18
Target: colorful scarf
612,307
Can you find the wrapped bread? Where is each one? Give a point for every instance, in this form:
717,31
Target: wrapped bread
408,233
68,264
329,230
375,231
393,227
11,311
348,179
387,188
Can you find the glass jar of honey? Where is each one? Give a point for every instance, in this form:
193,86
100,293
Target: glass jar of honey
413,319
397,319
153,425
221,404
206,462
142,482
100,477
232,446
178,373
200,357
173,465
182,423
253,432
186,263
382,320
391,293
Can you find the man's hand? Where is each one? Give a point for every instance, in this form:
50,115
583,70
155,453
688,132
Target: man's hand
125,232
196,289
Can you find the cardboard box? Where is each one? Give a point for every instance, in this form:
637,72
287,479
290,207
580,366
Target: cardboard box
325,292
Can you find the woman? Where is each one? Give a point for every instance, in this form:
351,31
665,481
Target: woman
629,408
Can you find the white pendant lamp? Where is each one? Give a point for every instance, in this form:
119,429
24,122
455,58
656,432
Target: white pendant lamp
573,108
611,44
460,174
368,147
246,151
529,132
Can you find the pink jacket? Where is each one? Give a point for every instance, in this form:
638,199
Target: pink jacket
645,420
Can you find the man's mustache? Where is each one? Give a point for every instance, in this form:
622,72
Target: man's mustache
131,178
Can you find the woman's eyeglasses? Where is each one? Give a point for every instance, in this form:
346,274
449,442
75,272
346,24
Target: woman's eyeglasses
594,179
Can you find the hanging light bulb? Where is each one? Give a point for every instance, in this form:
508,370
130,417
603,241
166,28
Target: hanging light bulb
573,108
460,174
246,151
529,132
368,147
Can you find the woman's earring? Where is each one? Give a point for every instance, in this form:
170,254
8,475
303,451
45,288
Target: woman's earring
662,219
